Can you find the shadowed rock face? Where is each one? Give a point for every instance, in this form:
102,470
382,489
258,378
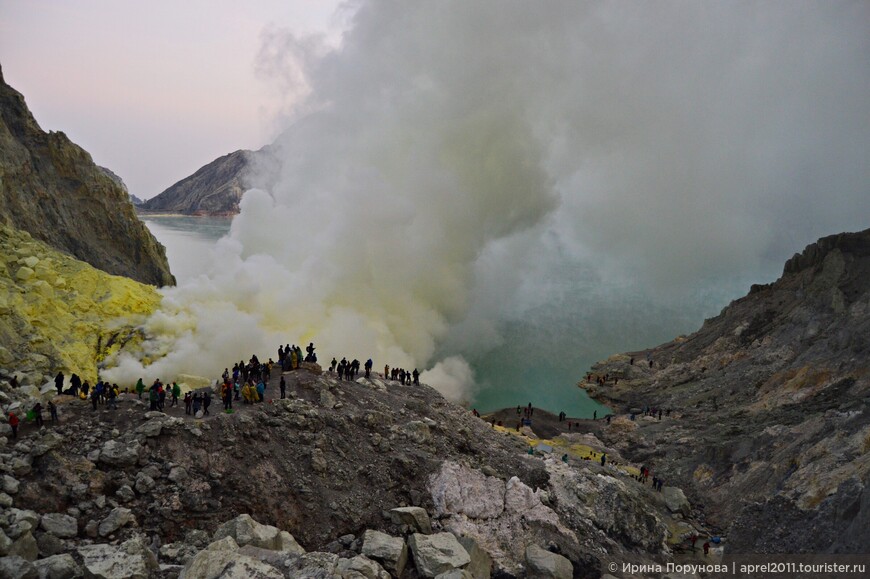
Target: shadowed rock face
51,188
214,189
770,426
217,188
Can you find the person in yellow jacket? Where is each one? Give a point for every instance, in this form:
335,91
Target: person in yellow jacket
247,393
293,360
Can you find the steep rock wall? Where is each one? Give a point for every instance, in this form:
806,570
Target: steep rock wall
51,188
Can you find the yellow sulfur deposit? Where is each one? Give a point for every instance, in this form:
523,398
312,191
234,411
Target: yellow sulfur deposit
59,313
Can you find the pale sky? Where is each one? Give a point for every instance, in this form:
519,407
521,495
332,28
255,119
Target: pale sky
153,90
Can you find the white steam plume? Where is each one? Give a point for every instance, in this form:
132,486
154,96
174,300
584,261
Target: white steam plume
422,174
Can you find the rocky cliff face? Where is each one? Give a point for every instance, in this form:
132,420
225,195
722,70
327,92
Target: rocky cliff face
364,478
52,189
770,422
214,189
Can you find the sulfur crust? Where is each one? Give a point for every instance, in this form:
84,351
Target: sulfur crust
59,313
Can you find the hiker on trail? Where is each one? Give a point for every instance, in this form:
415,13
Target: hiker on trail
13,423
197,403
519,410
402,376
293,359
75,384
140,388
176,392
531,410
280,354
386,372
206,402
111,396
608,419
161,397
95,398
569,426
603,459
594,415
310,350
283,386
152,397
58,382
188,401
354,368
693,539
706,548
368,367
37,414
298,356
416,376
52,409
333,364
227,394
261,390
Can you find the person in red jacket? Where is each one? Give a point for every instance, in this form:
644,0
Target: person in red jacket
13,422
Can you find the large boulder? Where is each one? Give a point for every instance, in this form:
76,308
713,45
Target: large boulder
481,563
390,551
15,567
130,560
58,567
546,565
25,546
222,559
120,454
117,518
60,525
360,567
246,531
415,517
438,553
676,500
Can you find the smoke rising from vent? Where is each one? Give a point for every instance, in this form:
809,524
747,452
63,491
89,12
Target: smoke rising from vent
457,165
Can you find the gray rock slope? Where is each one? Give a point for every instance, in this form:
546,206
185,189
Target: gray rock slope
770,425
368,477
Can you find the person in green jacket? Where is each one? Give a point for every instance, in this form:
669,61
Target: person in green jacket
176,392
140,388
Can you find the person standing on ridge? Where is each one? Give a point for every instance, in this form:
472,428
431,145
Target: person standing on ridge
13,423
58,382
283,386
368,367
176,392
416,375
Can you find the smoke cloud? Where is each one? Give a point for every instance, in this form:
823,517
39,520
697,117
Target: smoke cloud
457,167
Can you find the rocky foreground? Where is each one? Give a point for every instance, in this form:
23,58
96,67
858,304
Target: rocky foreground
341,479
771,407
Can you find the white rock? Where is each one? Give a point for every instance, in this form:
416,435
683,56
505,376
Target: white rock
60,525
390,551
130,560
438,553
